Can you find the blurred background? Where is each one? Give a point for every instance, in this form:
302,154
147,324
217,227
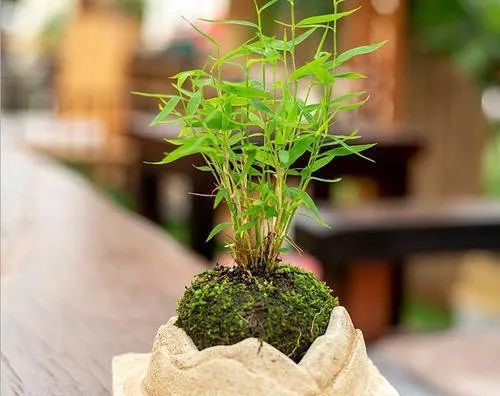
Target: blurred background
414,247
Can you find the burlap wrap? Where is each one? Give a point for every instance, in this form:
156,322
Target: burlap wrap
335,364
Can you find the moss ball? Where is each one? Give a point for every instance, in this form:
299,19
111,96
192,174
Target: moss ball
287,308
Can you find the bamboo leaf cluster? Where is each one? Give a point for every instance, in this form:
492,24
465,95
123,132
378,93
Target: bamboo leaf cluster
254,132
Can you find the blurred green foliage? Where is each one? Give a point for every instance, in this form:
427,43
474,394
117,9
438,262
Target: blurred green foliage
466,30
116,194
132,7
491,163
179,230
420,315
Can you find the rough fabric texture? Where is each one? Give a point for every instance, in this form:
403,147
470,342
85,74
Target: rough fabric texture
335,364
288,308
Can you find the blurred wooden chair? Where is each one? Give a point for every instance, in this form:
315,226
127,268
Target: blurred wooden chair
361,241
92,84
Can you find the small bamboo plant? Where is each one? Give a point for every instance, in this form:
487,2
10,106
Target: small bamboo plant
252,132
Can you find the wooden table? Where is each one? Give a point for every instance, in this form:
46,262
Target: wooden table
460,362
82,280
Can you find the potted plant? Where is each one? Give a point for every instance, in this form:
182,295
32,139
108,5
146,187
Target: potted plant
261,326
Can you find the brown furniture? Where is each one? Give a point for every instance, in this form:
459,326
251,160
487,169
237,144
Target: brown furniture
460,362
377,21
82,280
94,65
92,82
390,232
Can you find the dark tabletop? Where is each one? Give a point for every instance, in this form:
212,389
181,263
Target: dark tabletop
399,228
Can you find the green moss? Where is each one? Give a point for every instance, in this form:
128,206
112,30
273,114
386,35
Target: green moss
287,308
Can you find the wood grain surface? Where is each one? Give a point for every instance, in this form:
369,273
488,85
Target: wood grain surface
82,280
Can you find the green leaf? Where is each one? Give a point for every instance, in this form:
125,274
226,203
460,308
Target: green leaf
241,89
321,162
288,45
231,22
202,33
270,212
194,103
300,147
151,95
221,194
250,151
175,142
257,120
267,5
326,180
260,106
242,50
317,68
184,75
352,106
350,75
213,120
284,156
188,148
246,227
347,150
322,74
319,19
263,156
308,202
218,228
183,91
346,97
165,111
254,172
203,168
365,49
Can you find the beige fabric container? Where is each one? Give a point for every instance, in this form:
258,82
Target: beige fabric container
335,364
